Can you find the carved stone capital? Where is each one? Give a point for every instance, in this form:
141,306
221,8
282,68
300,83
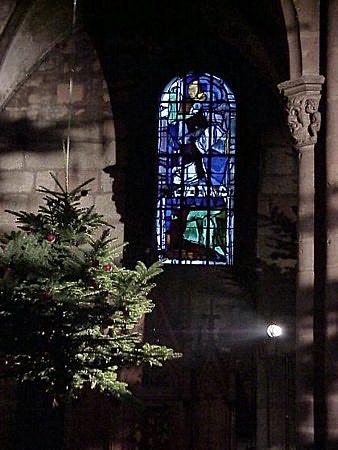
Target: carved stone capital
302,97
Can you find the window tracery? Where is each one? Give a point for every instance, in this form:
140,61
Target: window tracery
196,171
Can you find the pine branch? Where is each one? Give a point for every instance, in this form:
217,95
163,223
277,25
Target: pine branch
68,312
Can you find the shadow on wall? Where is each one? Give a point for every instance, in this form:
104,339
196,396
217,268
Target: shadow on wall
29,150
118,176
20,134
319,396
18,139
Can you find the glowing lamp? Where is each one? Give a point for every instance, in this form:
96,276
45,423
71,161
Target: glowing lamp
274,330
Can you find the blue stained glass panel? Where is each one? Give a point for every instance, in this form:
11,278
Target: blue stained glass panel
196,171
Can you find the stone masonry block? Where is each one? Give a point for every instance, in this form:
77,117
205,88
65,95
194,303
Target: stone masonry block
278,185
11,160
264,206
63,93
276,161
55,112
85,156
37,98
108,130
117,233
106,206
76,178
16,181
91,132
14,202
38,161
14,112
34,81
34,202
106,183
44,179
7,227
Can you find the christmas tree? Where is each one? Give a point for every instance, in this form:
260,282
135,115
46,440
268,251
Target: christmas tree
69,312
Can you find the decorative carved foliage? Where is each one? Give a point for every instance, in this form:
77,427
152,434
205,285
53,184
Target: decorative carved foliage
302,98
303,118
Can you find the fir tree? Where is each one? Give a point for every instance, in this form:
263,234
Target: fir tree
69,314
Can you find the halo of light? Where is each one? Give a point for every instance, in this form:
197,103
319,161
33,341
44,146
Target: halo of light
274,330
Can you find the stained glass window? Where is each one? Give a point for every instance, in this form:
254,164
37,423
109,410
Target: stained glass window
196,171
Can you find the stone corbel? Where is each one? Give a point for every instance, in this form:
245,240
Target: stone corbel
302,97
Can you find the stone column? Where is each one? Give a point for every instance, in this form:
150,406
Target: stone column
331,145
302,98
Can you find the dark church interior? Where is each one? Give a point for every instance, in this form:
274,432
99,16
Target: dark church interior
99,74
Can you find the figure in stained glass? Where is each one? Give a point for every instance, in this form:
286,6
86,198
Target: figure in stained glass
196,170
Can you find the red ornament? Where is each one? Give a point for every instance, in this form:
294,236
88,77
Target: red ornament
51,237
47,295
108,267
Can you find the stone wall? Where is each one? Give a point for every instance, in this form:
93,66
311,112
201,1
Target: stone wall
39,118
34,127
275,294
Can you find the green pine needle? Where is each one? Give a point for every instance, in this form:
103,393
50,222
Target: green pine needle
69,313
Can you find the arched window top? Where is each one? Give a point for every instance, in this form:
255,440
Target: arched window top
196,168
202,87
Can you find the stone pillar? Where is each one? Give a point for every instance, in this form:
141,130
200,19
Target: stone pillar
302,100
331,145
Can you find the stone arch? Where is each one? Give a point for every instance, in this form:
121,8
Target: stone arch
302,27
38,28
39,48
